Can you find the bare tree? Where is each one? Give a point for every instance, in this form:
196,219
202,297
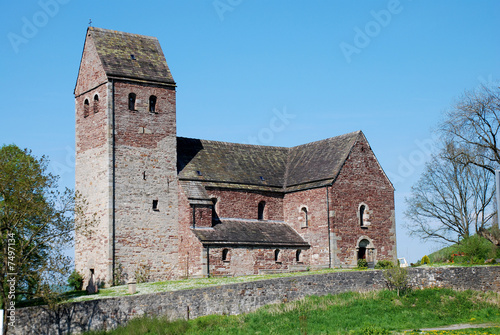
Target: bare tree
452,199
474,122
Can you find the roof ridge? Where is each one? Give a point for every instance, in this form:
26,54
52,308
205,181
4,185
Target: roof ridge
120,32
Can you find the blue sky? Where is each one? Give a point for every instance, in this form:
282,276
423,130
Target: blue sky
388,68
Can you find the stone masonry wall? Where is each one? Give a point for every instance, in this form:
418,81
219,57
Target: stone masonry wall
362,181
235,298
244,204
146,181
316,231
93,164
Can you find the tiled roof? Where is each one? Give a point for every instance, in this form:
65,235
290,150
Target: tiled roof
132,56
263,168
232,232
231,163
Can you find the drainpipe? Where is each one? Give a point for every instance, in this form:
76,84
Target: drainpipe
113,205
328,216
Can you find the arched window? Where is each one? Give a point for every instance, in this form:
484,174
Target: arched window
277,255
152,104
298,255
96,103
362,215
86,108
260,209
225,255
131,101
305,217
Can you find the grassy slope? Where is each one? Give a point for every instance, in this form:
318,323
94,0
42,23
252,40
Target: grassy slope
356,313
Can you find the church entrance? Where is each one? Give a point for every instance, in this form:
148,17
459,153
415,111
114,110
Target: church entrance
362,249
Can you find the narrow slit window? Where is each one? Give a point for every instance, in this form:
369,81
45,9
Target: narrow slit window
277,256
225,254
361,215
305,217
96,103
260,210
152,104
155,205
131,101
298,255
86,107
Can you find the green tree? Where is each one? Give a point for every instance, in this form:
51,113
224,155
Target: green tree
36,226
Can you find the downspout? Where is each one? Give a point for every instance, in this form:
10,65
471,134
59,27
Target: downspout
329,232
208,262
113,204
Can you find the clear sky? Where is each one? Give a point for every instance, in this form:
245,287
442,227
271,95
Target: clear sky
388,68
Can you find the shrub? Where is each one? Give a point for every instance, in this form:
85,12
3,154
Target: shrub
397,279
119,276
362,263
75,281
475,247
425,260
384,265
142,273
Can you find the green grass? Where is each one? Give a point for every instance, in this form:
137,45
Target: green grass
186,284
377,312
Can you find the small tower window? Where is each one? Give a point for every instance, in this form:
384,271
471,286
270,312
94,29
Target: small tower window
152,104
86,107
155,205
260,209
96,103
131,101
225,255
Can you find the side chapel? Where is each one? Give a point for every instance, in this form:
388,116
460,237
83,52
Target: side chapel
181,207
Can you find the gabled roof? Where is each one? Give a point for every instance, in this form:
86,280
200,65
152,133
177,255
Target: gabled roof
233,232
263,168
131,56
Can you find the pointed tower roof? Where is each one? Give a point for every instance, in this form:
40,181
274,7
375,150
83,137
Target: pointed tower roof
130,56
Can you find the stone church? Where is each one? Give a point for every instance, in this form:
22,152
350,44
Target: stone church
177,207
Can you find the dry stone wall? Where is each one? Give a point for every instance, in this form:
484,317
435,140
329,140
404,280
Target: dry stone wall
235,298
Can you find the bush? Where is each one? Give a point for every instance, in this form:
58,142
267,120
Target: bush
475,248
362,263
397,279
425,260
142,273
75,281
384,265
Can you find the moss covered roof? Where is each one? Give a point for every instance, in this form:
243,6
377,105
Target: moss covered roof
131,56
233,232
263,168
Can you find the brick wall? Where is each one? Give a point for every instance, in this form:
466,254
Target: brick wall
244,204
362,181
93,164
235,298
146,181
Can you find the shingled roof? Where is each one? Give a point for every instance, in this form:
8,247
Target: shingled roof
131,56
264,168
234,232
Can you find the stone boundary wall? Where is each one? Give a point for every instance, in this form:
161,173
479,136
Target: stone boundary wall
235,298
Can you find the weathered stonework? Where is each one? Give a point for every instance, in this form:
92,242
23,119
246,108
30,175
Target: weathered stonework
231,299
187,207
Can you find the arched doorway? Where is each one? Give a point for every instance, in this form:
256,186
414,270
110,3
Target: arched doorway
363,244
